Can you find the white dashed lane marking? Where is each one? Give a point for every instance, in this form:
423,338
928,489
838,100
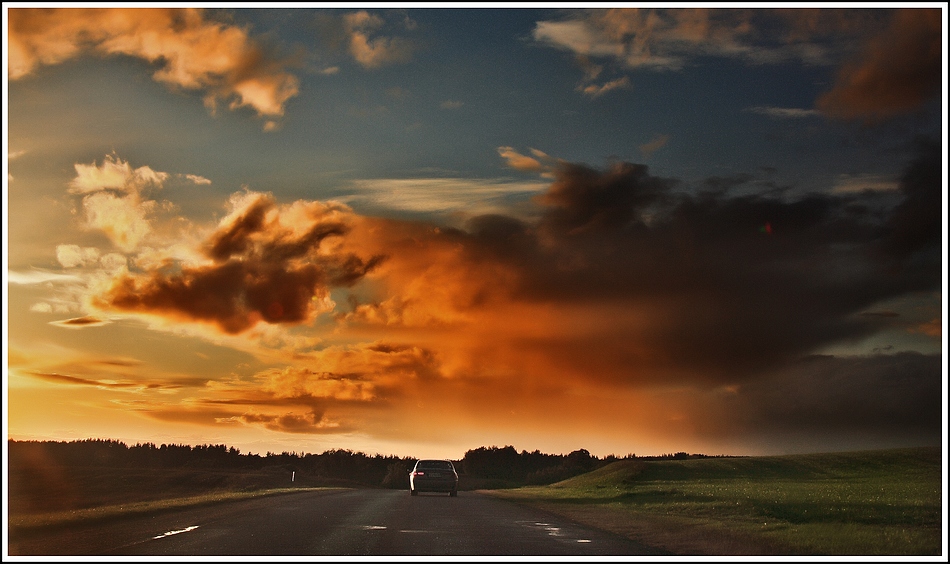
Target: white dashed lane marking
170,533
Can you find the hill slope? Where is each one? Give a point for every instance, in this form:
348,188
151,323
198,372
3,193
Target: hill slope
853,503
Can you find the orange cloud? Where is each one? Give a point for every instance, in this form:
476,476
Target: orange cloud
374,52
619,279
518,161
268,263
85,321
598,90
125,384
932,328
655,144
618,287
193,52
898,71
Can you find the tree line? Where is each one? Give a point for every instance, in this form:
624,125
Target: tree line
481,467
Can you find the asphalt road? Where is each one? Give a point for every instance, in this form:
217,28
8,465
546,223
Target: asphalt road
336,523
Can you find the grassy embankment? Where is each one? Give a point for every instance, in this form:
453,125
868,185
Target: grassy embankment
105,512
859,503
41,496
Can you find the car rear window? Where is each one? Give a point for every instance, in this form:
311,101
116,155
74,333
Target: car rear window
435,464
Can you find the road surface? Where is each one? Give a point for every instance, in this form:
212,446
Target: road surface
336,523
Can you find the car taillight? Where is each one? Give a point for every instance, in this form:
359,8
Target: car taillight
418,473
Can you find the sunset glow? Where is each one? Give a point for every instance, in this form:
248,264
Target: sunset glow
421,231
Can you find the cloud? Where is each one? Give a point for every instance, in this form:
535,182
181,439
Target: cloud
618,284
122,219
371,51
265,263
114,174
669,39
112,198
654,144
115,201
191,51
355,373
74,255
682,286
916,224
850,399
539,161
783,113
79,322
37,276
649,38
297,415
849,183
125,384
598,90
451,105
898,71
932,328
312,422
439,195
200,180
518,161
696,292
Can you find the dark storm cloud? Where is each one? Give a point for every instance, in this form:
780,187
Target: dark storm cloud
235,238
899,70
585,200
742,283
897,394
263,271
234,296
641,280
917,223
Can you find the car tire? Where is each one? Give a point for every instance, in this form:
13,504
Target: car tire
413,492
453,493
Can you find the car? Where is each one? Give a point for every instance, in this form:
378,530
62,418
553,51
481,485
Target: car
434,476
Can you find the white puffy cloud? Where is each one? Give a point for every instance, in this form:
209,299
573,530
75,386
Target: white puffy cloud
113,200
73,255
114,174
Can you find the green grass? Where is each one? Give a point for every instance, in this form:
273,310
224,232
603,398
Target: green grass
62,518
860,503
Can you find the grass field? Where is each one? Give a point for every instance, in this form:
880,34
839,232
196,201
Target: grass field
886,503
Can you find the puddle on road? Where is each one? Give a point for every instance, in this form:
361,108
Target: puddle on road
552,530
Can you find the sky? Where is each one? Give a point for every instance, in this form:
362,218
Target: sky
417,231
